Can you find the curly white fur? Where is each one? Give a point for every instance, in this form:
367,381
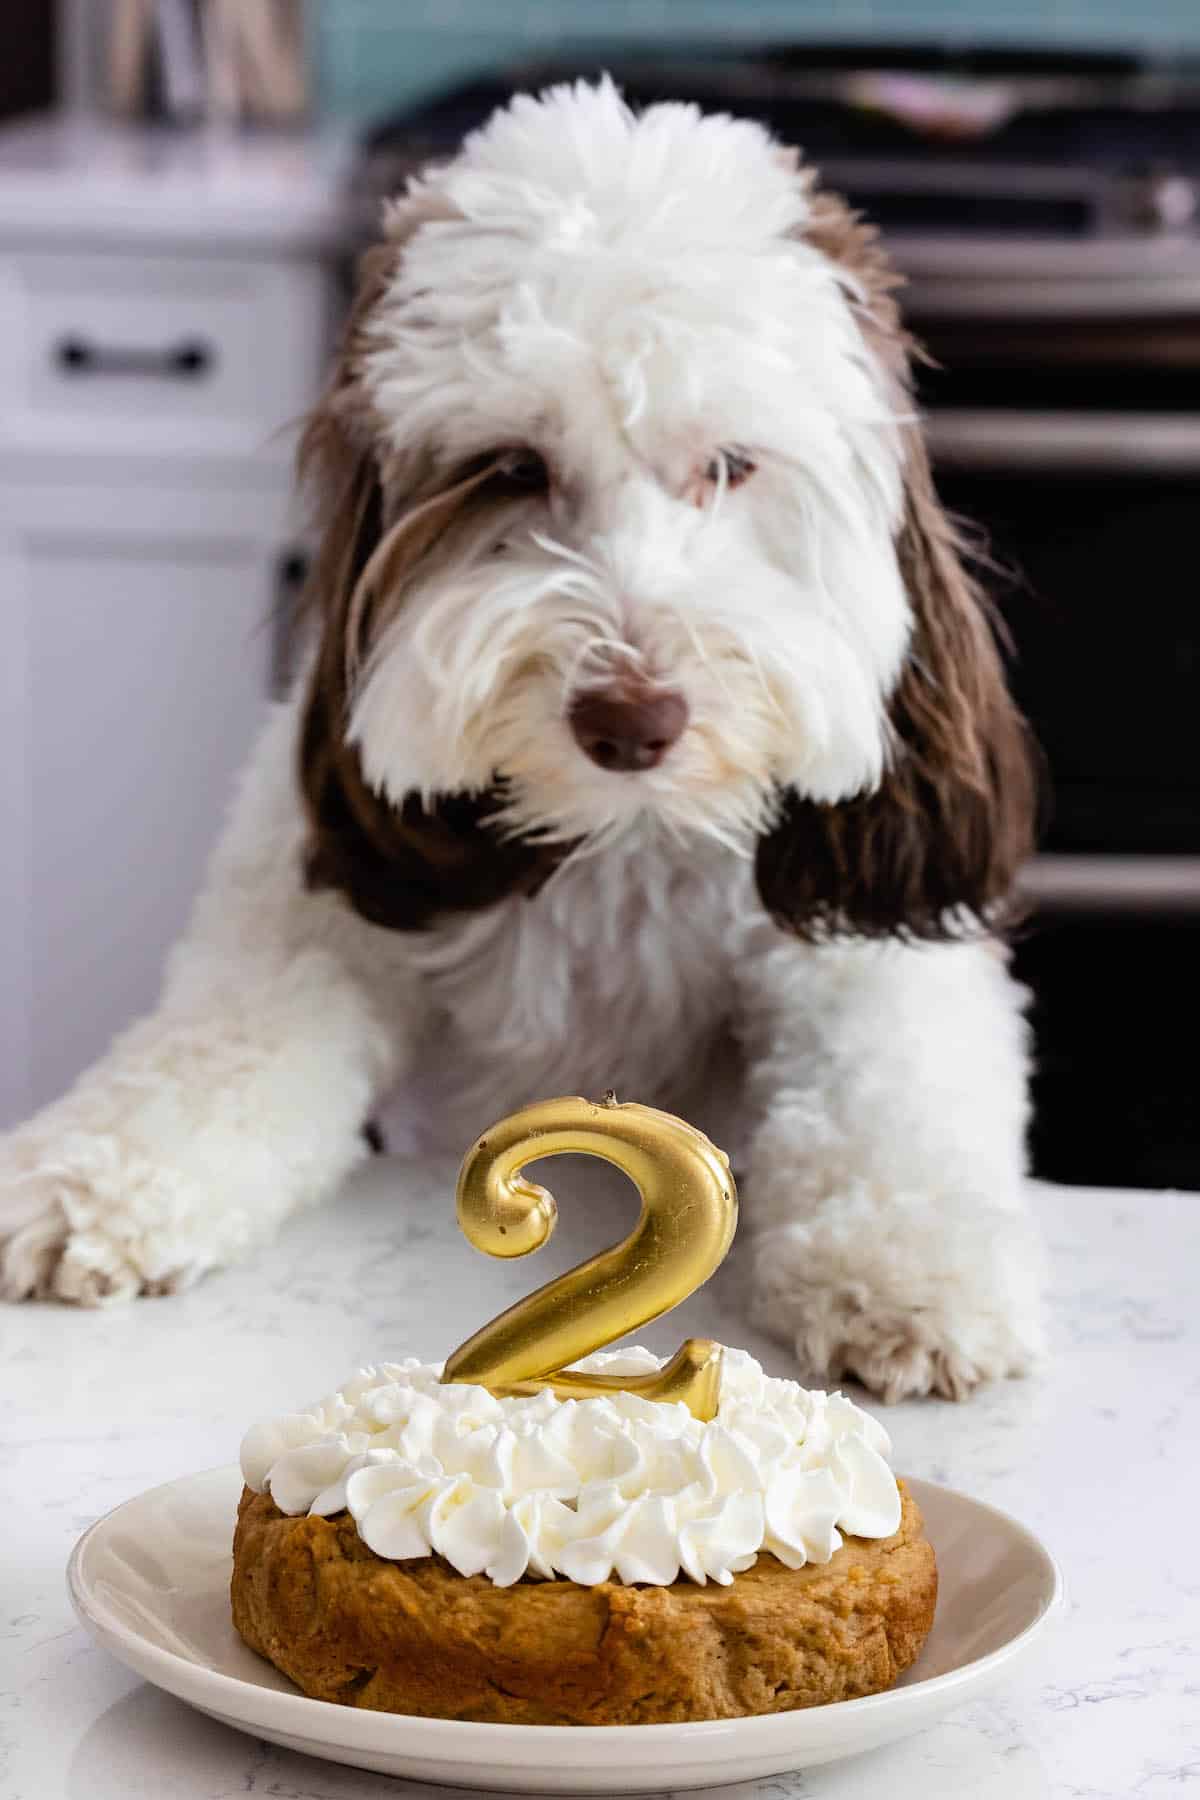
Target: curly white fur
629,296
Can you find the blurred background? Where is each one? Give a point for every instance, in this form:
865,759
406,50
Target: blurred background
184,186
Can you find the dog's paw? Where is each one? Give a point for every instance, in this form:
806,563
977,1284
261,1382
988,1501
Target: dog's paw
906,1355
909,1312
69,1232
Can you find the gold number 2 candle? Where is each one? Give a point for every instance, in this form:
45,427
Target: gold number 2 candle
687,1222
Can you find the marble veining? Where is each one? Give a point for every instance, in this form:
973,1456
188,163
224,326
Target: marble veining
1100,1455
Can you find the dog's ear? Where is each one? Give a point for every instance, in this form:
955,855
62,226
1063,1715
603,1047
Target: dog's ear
937,846
399,865
338,469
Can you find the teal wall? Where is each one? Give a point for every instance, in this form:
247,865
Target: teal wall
375,54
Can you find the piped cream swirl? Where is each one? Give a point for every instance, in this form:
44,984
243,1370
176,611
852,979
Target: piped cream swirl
618,1488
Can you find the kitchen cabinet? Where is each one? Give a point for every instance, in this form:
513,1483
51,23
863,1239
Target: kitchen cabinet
140,646
165,314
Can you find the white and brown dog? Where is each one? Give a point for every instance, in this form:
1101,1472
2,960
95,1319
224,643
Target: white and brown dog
654,739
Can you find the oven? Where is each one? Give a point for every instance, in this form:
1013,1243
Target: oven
1069,443
1072,446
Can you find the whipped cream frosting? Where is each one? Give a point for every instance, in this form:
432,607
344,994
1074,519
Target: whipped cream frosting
614,1488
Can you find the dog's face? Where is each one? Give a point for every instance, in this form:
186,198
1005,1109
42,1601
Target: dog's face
638,462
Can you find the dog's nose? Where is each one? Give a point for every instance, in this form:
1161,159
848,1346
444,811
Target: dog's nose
623,728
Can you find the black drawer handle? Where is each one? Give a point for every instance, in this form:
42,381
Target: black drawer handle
188,360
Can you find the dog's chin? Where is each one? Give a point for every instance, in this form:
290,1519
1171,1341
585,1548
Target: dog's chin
635,811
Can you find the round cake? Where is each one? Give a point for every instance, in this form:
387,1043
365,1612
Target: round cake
432,1549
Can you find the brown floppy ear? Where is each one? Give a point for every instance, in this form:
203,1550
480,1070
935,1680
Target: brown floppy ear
400,866
936,848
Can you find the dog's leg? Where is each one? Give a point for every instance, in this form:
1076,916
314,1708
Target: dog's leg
242,1097
886,1176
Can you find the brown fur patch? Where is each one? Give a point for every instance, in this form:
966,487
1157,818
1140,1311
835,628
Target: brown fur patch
952,820
403,866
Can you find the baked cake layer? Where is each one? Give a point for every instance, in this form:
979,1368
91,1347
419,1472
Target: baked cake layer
417,1637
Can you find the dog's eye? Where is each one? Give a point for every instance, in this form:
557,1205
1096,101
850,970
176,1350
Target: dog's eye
735,465
522,471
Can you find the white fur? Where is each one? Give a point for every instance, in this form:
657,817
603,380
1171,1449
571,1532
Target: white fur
628,297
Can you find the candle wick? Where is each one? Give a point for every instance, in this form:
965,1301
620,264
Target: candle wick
610,1098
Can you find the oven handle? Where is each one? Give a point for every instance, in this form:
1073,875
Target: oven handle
1100,442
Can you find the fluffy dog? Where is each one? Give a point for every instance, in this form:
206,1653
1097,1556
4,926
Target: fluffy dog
653,738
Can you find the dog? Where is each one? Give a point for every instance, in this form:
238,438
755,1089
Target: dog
652,737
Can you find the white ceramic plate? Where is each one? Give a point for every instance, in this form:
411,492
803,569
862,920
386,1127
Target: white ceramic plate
151,1584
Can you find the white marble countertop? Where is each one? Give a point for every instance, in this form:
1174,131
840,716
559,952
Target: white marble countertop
1101,1456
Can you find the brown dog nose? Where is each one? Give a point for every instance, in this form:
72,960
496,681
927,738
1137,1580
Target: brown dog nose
627,728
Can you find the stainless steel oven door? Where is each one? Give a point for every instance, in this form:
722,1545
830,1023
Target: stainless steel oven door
1088,523
1090,520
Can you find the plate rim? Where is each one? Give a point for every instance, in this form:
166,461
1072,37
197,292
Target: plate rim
456,1734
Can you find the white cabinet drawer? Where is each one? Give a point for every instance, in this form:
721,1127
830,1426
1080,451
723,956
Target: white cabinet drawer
166,355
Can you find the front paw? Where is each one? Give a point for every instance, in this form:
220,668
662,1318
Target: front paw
910,1298
81,1219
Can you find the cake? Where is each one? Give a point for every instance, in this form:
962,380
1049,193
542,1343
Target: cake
426,1548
